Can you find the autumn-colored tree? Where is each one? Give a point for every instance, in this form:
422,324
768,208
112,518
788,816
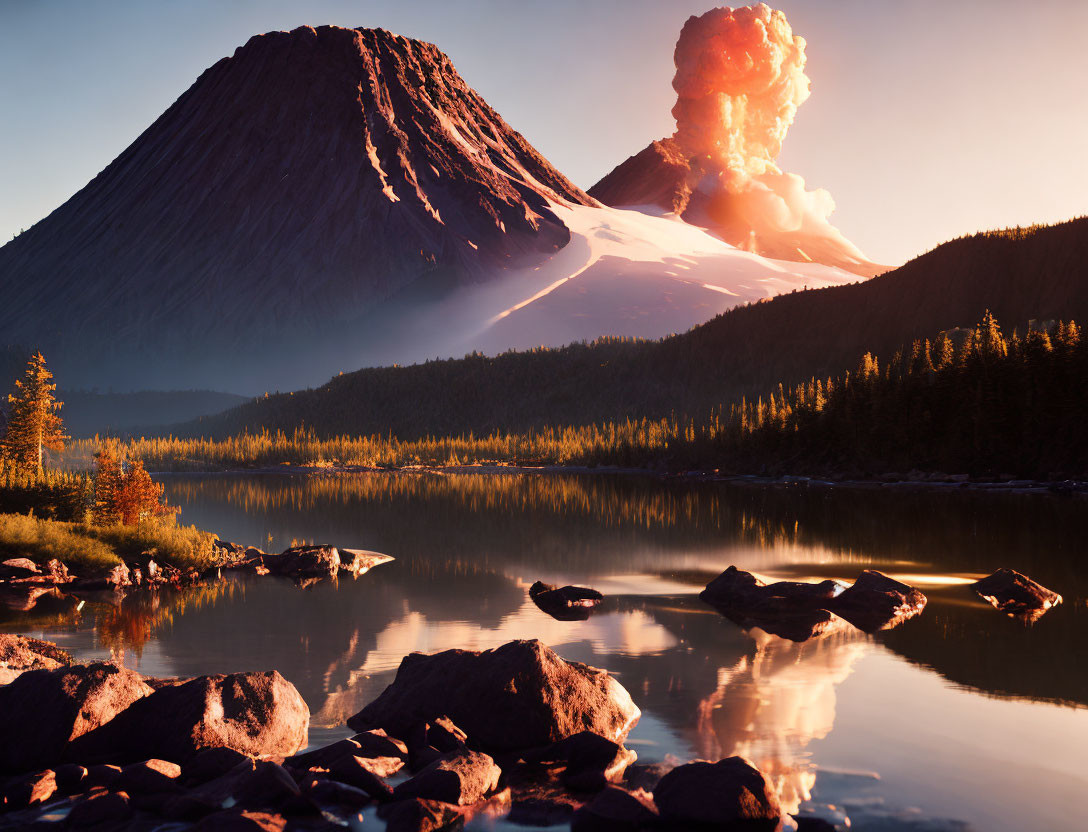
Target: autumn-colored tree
125,496
108,483
33,423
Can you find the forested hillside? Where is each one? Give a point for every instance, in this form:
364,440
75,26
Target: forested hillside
1039,273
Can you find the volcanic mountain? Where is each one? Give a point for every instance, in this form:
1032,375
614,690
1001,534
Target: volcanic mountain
330,198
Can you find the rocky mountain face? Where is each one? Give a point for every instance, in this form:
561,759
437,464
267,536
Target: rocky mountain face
289,195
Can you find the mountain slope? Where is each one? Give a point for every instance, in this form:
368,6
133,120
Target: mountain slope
291,189
1038,273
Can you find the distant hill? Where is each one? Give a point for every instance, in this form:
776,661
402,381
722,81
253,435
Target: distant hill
148,411
1038,273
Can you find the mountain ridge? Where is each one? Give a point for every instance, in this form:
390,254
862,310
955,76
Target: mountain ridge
1019,275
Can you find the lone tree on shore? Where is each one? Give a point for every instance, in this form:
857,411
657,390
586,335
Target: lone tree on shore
33,423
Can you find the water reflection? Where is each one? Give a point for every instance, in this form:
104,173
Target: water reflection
771,704
468,548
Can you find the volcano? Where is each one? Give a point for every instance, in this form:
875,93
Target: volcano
329,198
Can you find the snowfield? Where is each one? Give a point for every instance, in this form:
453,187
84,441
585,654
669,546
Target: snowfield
624,272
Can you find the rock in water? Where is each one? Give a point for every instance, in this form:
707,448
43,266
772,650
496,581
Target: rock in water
1016,595
259,714
568,603
19,654
42,711
877,602
521,695
728,794
356,562
349,166
305,562
789,609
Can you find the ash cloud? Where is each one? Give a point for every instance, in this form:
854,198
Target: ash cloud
740,78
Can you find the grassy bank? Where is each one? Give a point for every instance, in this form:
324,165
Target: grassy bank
84,548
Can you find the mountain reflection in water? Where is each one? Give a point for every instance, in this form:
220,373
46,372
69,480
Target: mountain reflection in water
467,548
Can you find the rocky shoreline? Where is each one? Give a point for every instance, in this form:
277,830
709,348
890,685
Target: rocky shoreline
515,732
25,584
911,481
512,731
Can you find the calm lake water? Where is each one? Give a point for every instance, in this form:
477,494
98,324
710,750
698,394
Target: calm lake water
960,719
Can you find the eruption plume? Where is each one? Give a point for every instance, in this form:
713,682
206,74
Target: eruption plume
740,77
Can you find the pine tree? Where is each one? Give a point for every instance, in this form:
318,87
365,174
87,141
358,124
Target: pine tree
33,424
108,485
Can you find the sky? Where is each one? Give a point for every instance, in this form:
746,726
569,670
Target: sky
928,118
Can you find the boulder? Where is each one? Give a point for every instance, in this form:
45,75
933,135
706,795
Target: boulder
728,794
356,562
877,602
15,568
443,735
229,555
330,795
258,714
568,603
148,777
357,772
592,762
461,778
418,815
1016,595
518,696
100,810
106,578
259,784
43,711
19,654
305,562
71,779
792,610
378,753
211,763
616,810
30,790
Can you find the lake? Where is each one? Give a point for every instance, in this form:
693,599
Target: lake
959,719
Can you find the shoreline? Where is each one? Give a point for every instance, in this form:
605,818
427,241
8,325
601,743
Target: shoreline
940,483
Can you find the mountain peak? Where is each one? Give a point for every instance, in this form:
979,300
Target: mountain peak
300,182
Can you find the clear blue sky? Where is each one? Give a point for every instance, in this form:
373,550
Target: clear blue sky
927,119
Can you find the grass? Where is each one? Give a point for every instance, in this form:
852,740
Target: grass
92,548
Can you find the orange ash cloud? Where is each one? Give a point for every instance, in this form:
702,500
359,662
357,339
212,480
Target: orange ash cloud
740,77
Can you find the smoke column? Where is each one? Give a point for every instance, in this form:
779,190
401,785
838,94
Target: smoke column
740,77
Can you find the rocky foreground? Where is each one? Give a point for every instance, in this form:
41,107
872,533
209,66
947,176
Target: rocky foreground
513,731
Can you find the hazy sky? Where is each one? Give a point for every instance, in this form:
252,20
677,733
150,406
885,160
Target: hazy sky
927,119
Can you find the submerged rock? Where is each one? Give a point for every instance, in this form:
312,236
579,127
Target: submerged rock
728,794
568,603
877,602
1016,595
43,711
518,696
19,654
258,714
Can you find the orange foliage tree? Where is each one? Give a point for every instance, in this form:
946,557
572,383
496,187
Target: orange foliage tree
123,496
